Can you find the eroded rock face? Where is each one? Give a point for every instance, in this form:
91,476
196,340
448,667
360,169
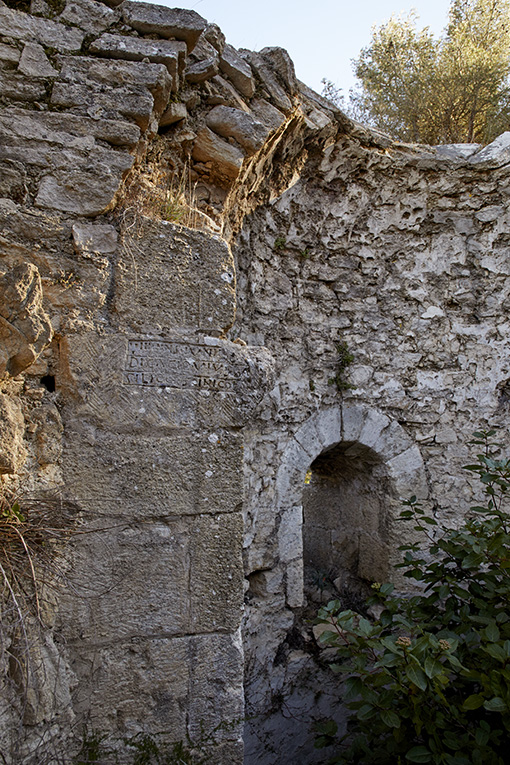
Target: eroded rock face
12,427
25,328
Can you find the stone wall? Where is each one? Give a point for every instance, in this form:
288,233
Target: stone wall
191,242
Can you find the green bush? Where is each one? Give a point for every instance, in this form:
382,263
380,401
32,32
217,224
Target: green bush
429,681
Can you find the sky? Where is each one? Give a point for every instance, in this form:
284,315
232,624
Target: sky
321,36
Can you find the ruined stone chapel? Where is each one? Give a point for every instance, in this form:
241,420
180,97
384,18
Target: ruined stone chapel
236,329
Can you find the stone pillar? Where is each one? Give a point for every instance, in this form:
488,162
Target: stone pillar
156,402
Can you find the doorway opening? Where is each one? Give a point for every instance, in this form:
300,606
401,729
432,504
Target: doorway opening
345,524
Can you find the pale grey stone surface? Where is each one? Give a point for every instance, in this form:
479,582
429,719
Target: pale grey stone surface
25,328
226,160
12,428
22,26
100,89
496,153
9,54
283,66
173,113
197,270
91,16
200,71
86,191
267,113
228,122
18,88
171,53
238,71
275,92
34,62
166,22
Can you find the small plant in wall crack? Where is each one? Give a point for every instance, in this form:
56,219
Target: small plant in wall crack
344,360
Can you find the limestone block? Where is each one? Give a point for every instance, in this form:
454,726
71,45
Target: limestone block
22,26
107,77
25,329
142,681
153,382
247,131
267,113
95,238
329,423
290,537
165,22
408,474
89,190
216,693
195,272
238,71
91,16
48,691
282,65
34,62
275,93
128,579
353,420
214,36
13,181
200,71
17,87
9,54
171,53
48,434
61,129
393,440
222,92
154,476
308,437
457,151
12,428
216,571
174,113
226,160
134,103
294,583
495,154
374,424
290,478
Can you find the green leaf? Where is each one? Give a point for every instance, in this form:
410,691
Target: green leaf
419,754
492,632
352,688
496,651
416,676
495,705
390,719
482,737
432,667
473,702
366,712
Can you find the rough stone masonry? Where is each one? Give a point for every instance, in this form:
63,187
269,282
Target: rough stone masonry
190,240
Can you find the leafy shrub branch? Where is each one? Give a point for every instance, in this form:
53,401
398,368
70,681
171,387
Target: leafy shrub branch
429,681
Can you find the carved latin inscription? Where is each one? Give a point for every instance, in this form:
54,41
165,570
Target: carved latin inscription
174,364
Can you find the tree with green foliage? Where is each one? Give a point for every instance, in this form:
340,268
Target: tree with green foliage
451,90
429,681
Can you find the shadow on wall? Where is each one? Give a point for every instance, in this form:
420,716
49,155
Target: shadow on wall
345,523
